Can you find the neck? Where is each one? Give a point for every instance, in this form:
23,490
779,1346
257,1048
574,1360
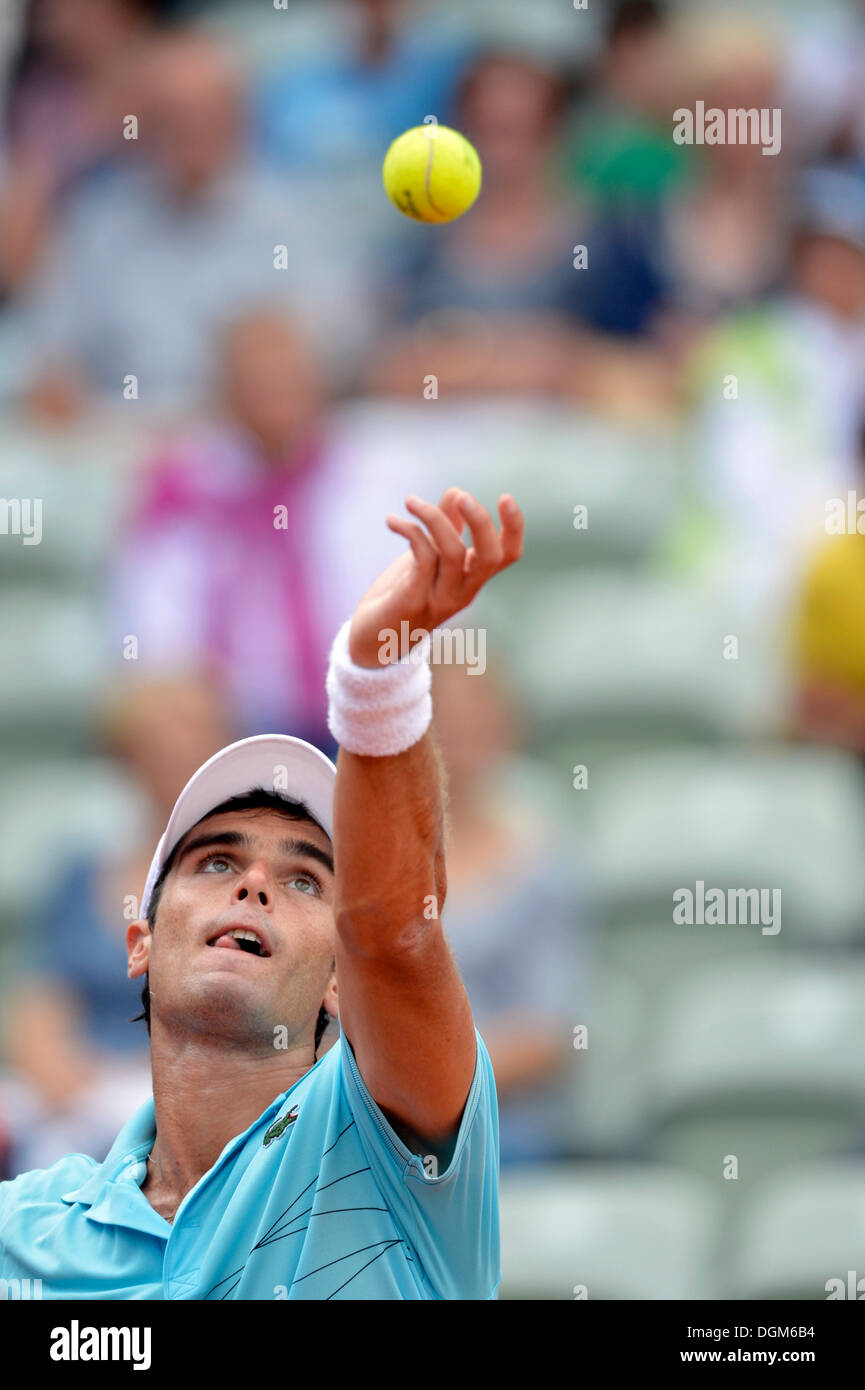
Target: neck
294,453
205,1094
378,39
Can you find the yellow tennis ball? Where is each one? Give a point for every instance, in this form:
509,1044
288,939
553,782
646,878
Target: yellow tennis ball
432,173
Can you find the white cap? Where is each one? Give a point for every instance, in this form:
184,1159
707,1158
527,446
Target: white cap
281,764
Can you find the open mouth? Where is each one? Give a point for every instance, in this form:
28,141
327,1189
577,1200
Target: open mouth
240,939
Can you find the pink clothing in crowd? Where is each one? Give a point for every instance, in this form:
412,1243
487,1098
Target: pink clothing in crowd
246,569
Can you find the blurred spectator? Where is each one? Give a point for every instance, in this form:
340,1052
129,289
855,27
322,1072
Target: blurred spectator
493,303
255,534
492,296
621,150
325,119
153,260
669,267
725,237
823,98
513,914
78,1067
387,67
12,17
779,392
69,94
829,630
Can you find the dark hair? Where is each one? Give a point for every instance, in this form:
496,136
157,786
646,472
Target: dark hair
552,73
258,799
29,55
635,17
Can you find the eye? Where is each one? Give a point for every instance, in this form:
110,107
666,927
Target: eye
311,883
214,861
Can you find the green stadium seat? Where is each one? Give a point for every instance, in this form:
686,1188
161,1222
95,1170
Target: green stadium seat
763,1063
51,810
771,817
495,447
801,1229
81,479
603,1105
620,1232
611,663
55,663
655,956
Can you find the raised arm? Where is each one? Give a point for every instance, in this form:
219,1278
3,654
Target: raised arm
402,1004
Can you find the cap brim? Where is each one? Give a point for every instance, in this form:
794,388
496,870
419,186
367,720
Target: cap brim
282,764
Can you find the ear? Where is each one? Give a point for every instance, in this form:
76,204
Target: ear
330,1002
138,938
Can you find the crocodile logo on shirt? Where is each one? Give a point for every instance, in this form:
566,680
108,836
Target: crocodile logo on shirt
278,1128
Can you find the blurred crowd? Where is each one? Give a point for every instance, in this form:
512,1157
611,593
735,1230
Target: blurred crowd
196,253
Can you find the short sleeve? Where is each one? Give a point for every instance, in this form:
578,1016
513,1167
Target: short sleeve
451,1218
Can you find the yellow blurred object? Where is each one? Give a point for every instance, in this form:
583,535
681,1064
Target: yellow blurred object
432,173
830,622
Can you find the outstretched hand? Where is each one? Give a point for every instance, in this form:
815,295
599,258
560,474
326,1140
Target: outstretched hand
440,574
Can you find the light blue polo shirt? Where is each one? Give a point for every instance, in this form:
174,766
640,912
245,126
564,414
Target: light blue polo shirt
318,1199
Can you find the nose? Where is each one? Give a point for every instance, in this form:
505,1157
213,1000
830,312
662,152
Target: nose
254,884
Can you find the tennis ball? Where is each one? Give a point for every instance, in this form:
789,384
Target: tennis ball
432,173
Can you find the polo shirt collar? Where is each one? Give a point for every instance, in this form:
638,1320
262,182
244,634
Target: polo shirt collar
112,1200
116,1201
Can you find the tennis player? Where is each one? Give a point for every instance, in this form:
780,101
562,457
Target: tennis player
285,891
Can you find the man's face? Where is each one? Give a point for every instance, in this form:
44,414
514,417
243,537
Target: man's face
192,111
832,271
259,872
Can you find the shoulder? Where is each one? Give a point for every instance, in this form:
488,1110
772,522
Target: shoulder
203,468
409,1159
444,1200
118,196
44,1186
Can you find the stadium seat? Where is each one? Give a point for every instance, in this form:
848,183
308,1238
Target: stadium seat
609,662
54,659
617,1232
495,446
587,462
51,810
80,479
603,1109
655,956
760,1063
800,1230
785,818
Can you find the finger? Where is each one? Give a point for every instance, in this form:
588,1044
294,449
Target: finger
513,525
451,549
449,504
486,553
421,546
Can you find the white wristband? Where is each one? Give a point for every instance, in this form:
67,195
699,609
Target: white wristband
378,711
